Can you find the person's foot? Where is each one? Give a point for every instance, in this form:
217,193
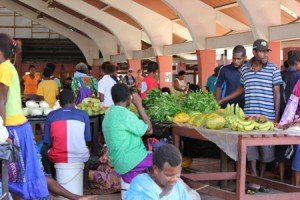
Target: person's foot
253,187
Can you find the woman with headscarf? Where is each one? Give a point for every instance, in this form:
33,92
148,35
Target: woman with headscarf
83,85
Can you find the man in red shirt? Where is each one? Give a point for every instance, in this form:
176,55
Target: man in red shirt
149,82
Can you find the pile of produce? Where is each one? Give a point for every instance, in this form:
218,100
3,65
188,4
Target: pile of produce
163,107
236,120
232,117
38,109
92,106
200,102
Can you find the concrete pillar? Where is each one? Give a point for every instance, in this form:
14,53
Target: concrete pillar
135,64
165,71
206,64
274,55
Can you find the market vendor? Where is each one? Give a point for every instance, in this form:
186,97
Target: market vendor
30,81
179,82
67,130
123,130
149,81
260,80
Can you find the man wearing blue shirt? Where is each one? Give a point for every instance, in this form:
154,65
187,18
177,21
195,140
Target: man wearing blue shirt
229,77
260,80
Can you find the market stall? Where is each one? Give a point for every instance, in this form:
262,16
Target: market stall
234,144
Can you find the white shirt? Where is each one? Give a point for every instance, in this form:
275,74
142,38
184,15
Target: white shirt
104,87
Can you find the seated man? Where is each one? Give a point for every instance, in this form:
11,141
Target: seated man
66,132
162,181
123,130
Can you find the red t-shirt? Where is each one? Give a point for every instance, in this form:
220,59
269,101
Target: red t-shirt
148,84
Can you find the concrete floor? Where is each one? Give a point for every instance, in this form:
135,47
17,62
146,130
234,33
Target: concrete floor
198,164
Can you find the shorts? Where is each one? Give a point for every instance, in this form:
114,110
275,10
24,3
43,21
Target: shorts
296,160
264,154
144,164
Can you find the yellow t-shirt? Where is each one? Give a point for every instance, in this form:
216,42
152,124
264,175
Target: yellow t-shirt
49,90
13,107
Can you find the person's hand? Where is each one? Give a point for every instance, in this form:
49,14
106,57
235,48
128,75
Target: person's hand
136,100
9,141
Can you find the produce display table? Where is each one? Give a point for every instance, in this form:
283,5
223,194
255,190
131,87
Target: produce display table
258,138
95,129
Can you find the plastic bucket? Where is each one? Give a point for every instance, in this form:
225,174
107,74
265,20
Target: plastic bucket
70,176
124,188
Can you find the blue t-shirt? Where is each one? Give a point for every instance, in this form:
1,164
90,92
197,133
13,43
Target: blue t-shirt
258,85
229,79
143,187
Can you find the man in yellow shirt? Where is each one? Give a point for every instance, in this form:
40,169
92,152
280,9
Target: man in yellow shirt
48,89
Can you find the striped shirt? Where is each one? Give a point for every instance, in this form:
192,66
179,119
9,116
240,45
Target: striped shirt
258,85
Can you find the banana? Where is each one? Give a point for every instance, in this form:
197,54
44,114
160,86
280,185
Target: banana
264,126
237,109
241,128
249,127
272,126
241,114
244,122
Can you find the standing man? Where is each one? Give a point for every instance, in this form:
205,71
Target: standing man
260,80
229,77
129,80
149,82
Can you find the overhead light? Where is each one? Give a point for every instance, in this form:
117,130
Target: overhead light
39,15
50,5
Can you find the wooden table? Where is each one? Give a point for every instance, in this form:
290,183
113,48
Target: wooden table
95,122
289,192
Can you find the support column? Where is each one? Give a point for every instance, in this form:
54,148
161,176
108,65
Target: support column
206,64
274,55
165,71
135,64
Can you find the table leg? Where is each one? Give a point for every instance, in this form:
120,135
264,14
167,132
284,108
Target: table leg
241,169
176,140
223,168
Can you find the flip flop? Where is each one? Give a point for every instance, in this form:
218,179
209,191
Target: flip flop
249,191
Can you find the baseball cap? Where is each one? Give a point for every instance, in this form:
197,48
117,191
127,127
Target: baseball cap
261,45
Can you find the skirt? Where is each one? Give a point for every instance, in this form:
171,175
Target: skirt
26,177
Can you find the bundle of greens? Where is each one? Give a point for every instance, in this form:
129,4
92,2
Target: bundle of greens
200,102
152,95
165,106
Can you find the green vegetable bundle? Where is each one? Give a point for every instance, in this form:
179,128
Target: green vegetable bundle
200,102
165,106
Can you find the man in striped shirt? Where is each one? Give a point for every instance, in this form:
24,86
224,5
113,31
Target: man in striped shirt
260,80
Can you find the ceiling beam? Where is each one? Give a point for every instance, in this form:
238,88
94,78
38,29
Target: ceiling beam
226,6
86,45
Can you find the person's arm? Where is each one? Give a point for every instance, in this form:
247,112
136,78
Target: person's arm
276,90
137,101
3,99
236,93
218,93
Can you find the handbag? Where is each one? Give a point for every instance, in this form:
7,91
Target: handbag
291,107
